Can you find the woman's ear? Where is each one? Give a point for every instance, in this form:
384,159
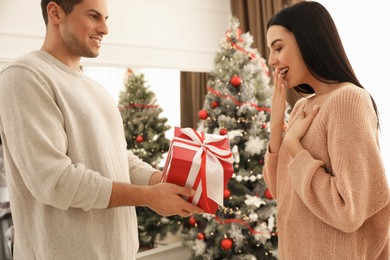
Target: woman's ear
54,13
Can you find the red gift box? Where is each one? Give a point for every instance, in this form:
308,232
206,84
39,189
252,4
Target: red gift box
200,161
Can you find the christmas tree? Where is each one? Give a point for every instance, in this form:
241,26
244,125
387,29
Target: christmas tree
145,136
237,105
144,127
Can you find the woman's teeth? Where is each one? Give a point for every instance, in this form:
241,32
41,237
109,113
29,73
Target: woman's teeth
283,71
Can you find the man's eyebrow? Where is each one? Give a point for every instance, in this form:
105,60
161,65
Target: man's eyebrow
98,13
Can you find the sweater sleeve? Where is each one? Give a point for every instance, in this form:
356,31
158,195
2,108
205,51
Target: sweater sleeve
269,172
271,159
34,134
140,171
355,187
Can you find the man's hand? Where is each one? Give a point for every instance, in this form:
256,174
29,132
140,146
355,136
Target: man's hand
166,199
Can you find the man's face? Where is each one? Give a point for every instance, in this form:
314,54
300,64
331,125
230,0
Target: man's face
83,29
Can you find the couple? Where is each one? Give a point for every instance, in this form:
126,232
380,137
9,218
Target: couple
73,184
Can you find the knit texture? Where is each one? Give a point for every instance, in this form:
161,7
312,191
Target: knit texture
3,181
333,197
64,144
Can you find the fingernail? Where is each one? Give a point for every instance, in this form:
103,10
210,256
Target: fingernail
315,107
193,192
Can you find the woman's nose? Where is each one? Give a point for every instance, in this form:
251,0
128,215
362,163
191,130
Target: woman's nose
272,61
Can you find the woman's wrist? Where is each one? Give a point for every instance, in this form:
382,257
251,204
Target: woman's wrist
293,147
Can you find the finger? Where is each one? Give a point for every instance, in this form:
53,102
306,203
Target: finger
301,115
309,119
185,213
193,209
285,126
314,112
185,191
277,81
283,89
275,75
280,82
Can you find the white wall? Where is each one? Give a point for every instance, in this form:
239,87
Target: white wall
178,34
363,28
165,83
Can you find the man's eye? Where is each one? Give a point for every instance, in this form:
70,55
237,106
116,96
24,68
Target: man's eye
94,16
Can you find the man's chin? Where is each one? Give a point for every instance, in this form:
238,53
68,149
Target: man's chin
93,55
90,54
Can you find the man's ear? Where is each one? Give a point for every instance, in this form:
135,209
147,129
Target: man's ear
54,13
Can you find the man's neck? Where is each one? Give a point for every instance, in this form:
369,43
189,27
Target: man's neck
68,60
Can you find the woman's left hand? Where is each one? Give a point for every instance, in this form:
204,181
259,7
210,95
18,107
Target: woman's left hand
297,130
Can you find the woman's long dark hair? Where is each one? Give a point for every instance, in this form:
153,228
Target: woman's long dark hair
319,42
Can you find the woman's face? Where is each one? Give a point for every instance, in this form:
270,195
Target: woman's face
285,56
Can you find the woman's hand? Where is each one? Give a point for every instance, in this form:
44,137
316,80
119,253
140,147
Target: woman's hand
278,110
297,130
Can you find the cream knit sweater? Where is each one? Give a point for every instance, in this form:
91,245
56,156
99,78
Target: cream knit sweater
64,144
333,198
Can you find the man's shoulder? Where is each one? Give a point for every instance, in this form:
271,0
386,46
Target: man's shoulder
24,70
28,60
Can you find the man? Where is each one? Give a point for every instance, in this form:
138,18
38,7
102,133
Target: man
69,173
3,182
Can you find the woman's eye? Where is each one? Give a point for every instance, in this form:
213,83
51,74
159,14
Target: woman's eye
278,49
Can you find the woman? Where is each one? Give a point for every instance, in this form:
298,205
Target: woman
325,170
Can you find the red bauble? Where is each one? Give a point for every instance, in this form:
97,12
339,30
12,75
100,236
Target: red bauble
223,131
202,114
214,104
201,236
261,161
192,221
226,193
264,126
226,243
235,81
139,139
268,194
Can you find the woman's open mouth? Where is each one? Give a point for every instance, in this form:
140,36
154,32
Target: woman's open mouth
284,71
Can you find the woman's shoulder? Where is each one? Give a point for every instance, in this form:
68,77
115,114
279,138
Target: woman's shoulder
351,89
349,93
349,97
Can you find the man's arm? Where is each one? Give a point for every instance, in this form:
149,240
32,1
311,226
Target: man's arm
155,178
163,198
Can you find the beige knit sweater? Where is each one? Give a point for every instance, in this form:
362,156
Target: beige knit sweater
333,197
64,144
